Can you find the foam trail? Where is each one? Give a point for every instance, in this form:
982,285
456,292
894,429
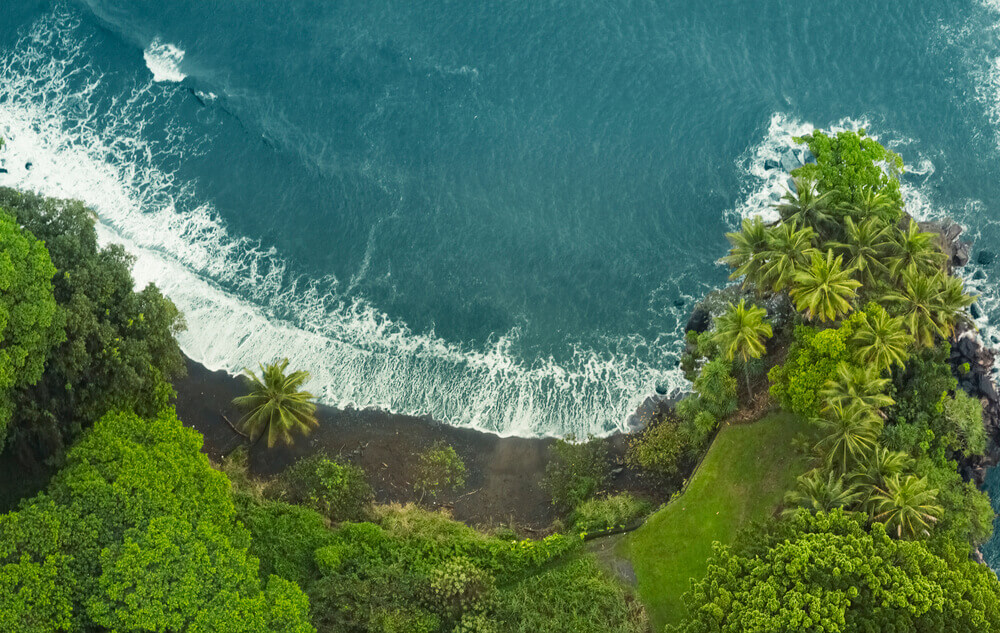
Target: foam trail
241,302
164,61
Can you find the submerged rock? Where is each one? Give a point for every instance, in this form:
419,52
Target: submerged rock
985,258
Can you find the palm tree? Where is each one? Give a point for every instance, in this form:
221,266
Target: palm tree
880,466
865,248
275,406
817,493
906,506
788,249
915,251
862,385
824,290
952,302
741,332
881,340
870,203
806,206
850,434
920,306
748,246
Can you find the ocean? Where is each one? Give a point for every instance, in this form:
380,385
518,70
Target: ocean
496,214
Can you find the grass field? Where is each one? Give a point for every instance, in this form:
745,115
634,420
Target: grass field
744,476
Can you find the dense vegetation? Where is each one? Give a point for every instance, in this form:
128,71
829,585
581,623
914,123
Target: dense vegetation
107,347
137,531
877,534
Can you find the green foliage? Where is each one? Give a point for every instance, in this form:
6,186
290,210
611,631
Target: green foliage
963,421
276,405
967,517
812,361
119,352
827,572
284,537
439,469
717,388
849,166
575,596
742,332
423,570
337,490
605,513
660,449
138,532
920,394
824,290
30,323
575,471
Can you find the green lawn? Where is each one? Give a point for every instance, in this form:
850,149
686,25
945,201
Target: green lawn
744,476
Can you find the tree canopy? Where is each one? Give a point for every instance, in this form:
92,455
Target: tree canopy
30,321
138,533
119,351
828,572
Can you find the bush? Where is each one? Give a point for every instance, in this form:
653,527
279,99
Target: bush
660,449
963,416
575,596
439,469
336,490
812,361
717,388
598,515
457,586
576,471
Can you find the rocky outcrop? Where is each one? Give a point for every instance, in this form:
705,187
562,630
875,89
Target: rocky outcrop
949,240
968,350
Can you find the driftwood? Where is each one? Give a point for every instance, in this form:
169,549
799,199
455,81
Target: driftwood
233,427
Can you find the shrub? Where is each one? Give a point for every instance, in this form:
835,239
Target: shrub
575,471
575,596
812,361
717,387
659,449
598,515
439,468
456,587
336,490
963,416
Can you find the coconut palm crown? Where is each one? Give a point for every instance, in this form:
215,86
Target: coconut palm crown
276,405
824,290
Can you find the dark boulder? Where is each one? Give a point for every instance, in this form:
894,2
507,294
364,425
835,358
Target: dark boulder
985,258
961,256
700,321
771,164
975,311
979,275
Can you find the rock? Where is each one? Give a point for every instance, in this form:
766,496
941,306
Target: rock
28,165
700,321
979,275
661,389
975,311
770,164
961,256
968,348
985,258
679,303
789,161
809,158
790,185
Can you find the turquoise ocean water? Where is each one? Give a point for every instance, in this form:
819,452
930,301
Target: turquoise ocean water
498,214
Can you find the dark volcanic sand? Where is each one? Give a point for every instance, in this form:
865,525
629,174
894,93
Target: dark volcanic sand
502,485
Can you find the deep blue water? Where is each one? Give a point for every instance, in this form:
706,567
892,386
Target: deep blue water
498,214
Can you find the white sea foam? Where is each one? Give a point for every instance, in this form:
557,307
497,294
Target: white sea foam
241,303
164,61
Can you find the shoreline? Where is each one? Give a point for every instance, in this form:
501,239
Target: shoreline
504,473
504,479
